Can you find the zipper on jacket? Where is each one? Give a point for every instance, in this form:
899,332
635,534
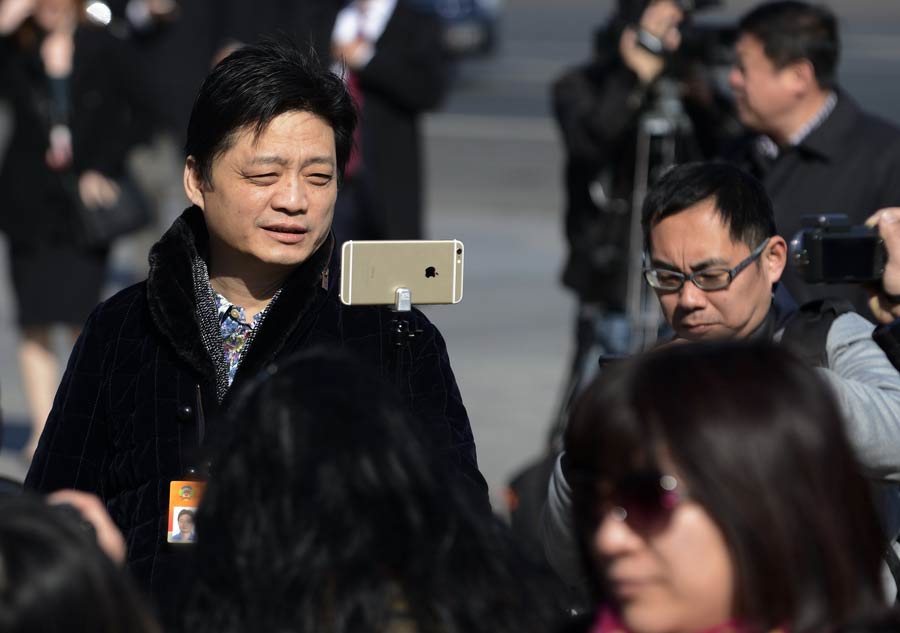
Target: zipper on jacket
201,418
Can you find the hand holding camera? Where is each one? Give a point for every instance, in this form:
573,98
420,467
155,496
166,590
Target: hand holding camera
643,47
885,300
831,250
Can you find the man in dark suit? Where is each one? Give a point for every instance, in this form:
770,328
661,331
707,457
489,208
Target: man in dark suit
307,22
816,151
397,68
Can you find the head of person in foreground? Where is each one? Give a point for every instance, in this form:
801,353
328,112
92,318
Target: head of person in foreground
714,486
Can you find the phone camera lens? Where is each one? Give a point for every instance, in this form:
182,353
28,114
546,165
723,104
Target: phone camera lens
459,251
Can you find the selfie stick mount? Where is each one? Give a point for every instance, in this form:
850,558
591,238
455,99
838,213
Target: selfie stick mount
401,333
402,300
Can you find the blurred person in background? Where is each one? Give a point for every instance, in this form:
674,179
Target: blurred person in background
396,68
74,100
604,108
815,150
326,513
177,43
600,107
307,23
715,490
54,576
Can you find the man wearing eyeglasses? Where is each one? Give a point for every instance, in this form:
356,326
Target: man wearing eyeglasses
715,260
713,254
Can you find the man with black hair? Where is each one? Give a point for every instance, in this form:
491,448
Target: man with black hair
714,260
816,151
240,281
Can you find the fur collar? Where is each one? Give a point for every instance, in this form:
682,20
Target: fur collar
174,306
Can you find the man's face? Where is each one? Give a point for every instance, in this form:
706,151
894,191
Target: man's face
697,239
271,200
764,95
662,18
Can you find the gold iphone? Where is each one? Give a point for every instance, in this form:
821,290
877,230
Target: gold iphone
373,271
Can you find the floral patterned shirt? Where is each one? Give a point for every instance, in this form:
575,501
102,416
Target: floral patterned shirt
235,331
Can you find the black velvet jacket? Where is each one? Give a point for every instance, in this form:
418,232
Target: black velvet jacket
139,394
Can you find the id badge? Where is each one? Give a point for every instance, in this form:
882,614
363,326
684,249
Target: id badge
184,497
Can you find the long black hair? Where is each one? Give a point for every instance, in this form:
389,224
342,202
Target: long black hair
54,578
327,512
760,442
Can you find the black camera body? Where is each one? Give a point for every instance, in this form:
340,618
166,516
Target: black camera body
689,6
830,251
710,43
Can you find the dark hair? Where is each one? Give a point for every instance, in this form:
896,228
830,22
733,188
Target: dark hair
55,578
759,441
791,31
630,11
189,513
256,84
741,201
345,512
885,621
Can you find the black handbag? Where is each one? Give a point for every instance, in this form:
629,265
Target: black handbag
102,225
98,226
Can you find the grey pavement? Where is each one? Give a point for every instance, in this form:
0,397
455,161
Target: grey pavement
494,174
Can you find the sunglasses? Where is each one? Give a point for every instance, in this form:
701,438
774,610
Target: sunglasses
644,500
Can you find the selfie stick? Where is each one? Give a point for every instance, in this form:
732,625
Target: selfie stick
401,333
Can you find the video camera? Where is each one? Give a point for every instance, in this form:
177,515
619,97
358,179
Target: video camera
689,6
706,44
830,250
710,44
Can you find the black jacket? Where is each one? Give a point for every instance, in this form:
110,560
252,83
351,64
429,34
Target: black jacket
406,77
306,22
176,54
598,107
850,164
104,101
139,392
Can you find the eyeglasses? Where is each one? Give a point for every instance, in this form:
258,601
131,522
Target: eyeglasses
706,279
645,500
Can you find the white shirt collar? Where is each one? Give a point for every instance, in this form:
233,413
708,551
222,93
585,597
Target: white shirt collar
370,23
769,148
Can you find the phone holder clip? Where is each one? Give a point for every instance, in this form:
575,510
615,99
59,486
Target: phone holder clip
402,300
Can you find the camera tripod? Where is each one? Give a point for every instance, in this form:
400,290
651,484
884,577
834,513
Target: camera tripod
661,131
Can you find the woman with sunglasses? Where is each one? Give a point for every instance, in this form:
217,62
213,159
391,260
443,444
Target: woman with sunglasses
714,490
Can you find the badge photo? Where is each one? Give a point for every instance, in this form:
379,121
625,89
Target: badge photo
184,497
